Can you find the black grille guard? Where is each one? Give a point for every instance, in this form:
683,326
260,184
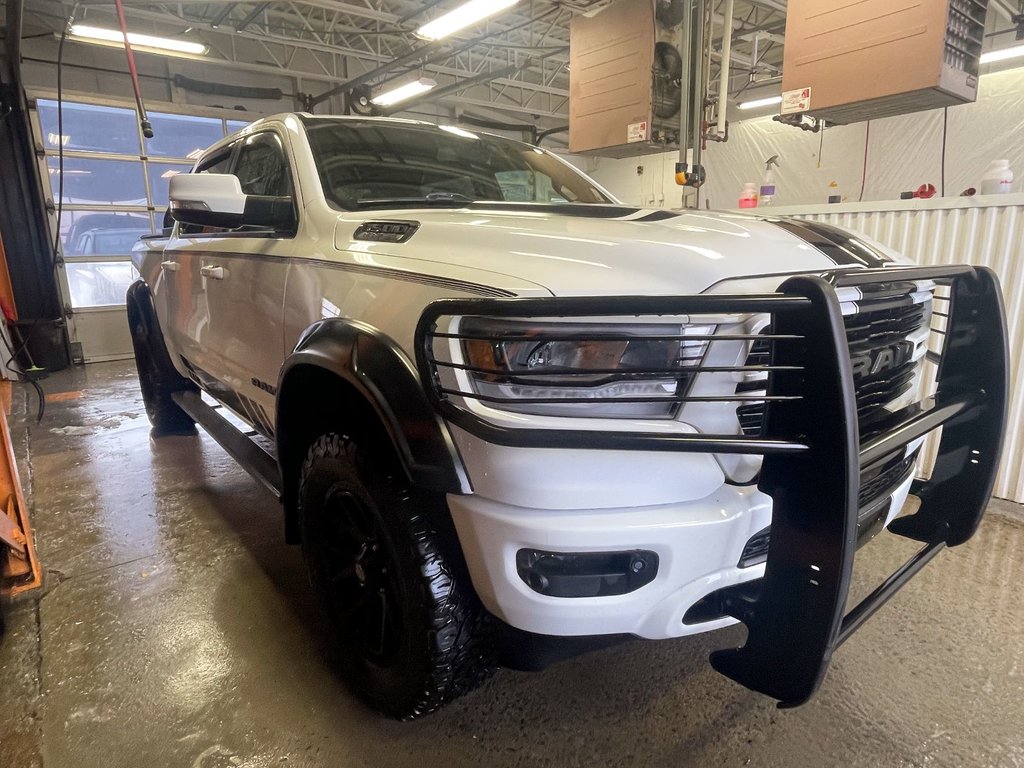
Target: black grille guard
812,452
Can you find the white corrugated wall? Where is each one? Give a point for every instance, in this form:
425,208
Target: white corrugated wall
976,232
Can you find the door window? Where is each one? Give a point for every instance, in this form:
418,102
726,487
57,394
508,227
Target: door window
262,168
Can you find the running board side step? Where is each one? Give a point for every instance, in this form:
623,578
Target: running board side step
253,459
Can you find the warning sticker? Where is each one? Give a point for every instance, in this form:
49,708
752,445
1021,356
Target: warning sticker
796,101
636,132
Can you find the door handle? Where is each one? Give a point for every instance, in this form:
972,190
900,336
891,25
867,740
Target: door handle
213,271
170,266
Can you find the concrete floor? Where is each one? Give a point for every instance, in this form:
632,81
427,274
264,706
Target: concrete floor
177,629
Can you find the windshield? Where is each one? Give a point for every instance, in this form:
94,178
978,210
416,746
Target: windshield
376,164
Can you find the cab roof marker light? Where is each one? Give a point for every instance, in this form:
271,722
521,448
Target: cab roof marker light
90,34
464,16
766,102
404,91
1002,55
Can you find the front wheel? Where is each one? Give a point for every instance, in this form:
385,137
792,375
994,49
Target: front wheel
384,560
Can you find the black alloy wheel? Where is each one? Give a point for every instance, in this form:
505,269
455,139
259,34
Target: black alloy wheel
354,558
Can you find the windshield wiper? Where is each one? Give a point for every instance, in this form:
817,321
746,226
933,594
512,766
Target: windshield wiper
431,198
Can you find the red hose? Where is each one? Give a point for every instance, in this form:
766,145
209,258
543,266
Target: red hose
147,128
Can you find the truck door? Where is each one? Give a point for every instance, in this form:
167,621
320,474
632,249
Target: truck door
239,277
181,308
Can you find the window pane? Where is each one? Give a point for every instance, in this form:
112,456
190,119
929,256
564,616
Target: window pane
99,284
182,135
367,164
90,127
160,178
89,233
261,168
95,182
236,125
527,186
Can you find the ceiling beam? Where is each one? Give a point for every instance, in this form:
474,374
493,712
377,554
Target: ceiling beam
251,16
360,11
414,55
291,44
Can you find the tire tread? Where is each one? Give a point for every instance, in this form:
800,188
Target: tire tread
458,646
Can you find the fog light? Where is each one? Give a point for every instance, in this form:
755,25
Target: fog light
756,550
586,574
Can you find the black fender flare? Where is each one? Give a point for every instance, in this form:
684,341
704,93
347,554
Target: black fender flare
139,298
384,376
138,293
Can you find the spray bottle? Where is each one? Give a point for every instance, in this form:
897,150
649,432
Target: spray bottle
768,185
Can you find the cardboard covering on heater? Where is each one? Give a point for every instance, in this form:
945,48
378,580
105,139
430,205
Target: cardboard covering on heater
610,96
879,58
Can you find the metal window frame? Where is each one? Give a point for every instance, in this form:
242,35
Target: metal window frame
796,614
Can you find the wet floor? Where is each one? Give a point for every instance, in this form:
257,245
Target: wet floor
177,629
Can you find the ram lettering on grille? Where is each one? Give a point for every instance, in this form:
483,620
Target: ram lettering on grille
886,325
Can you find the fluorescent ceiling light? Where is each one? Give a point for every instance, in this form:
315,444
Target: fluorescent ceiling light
761,102
454,129
1002,55
104,35
464,16
403,92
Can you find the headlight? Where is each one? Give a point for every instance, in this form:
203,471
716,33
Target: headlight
608,370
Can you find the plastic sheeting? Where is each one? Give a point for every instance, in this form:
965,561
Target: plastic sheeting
903,153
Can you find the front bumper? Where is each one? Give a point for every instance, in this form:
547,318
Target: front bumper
699,545
812,456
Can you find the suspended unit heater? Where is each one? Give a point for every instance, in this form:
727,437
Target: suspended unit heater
624,82
851,61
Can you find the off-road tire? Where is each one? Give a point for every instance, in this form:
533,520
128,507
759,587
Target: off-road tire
373,543
158,379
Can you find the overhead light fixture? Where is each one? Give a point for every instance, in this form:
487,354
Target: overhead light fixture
454,129
767,102
1002,55
89,34
404,92
464,16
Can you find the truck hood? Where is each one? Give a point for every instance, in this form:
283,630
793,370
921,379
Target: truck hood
580,250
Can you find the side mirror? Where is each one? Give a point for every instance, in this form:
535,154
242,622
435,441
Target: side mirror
217,200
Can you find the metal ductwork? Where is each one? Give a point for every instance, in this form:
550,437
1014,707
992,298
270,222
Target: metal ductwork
668,73
671,13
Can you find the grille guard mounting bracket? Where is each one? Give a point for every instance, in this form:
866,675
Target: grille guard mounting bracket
812,452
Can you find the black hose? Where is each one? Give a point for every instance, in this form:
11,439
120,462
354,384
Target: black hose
496,126
551,132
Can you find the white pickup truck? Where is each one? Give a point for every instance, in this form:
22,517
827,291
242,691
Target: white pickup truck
510,419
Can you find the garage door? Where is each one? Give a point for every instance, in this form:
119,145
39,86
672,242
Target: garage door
114,190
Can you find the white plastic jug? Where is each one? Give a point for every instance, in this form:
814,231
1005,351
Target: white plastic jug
998,178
